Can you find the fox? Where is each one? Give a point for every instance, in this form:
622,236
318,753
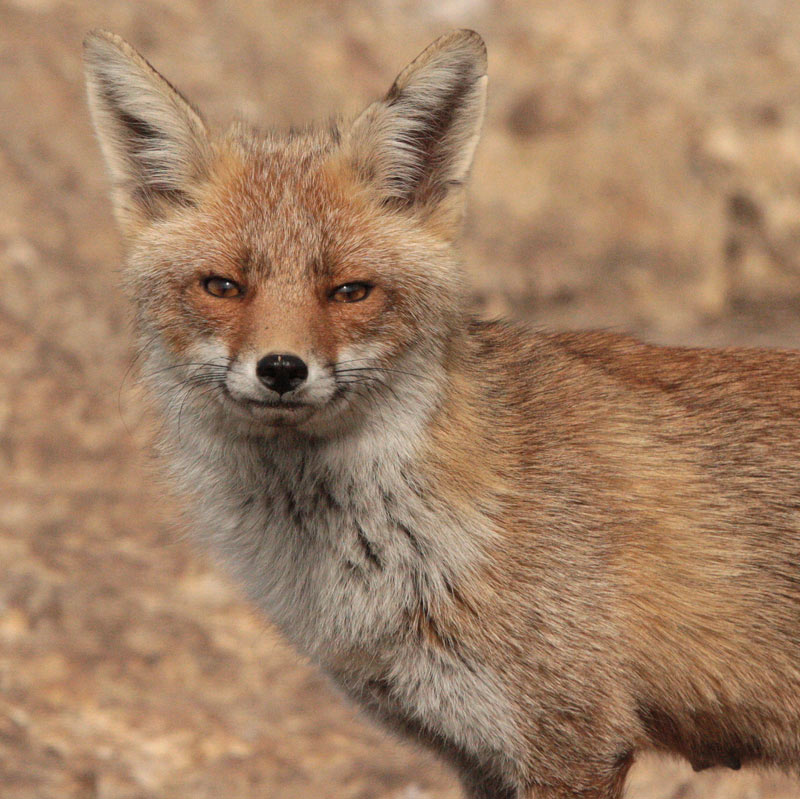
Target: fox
538,554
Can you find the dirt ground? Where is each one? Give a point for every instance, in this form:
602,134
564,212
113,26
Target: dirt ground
640,169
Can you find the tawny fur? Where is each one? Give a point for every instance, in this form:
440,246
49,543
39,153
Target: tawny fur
536,553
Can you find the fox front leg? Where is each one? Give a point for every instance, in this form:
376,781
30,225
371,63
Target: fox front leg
610,785
490,789
596,781
483,787
565,792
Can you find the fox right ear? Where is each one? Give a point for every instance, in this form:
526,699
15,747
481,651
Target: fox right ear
415,147
155,144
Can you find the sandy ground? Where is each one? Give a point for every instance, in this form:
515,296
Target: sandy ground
640,170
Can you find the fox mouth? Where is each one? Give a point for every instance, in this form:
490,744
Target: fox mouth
280,404
279,411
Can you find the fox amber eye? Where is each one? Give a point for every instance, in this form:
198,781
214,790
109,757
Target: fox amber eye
351,292
222,287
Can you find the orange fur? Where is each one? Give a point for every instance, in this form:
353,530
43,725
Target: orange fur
536,553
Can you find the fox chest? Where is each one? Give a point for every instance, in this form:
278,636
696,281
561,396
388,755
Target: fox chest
336,562
351,567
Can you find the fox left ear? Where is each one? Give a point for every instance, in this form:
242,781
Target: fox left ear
415,147
155,144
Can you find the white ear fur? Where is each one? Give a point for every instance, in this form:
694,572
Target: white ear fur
418,142
155,144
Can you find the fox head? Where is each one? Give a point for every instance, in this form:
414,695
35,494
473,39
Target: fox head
294,280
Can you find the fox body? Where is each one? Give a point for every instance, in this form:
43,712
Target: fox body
536,553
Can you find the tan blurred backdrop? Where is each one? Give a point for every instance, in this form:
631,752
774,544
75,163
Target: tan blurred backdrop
640,169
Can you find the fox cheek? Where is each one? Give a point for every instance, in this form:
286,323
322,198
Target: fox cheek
180,325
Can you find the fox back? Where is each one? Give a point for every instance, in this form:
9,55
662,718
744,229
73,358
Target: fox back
538,554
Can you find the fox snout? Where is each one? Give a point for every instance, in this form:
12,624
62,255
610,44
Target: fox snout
279,379
281,372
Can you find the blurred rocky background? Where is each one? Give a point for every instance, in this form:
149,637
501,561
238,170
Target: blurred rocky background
640,169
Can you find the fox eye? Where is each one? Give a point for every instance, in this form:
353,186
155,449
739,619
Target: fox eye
222,287
351,292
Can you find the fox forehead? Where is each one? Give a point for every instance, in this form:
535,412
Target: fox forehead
284,208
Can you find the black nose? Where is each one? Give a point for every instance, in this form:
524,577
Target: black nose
281,373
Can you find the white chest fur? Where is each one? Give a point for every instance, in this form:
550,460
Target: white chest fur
332,543
340,543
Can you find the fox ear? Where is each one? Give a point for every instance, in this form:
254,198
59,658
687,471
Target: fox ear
416,145
155,144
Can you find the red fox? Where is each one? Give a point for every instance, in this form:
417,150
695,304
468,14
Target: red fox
538,554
